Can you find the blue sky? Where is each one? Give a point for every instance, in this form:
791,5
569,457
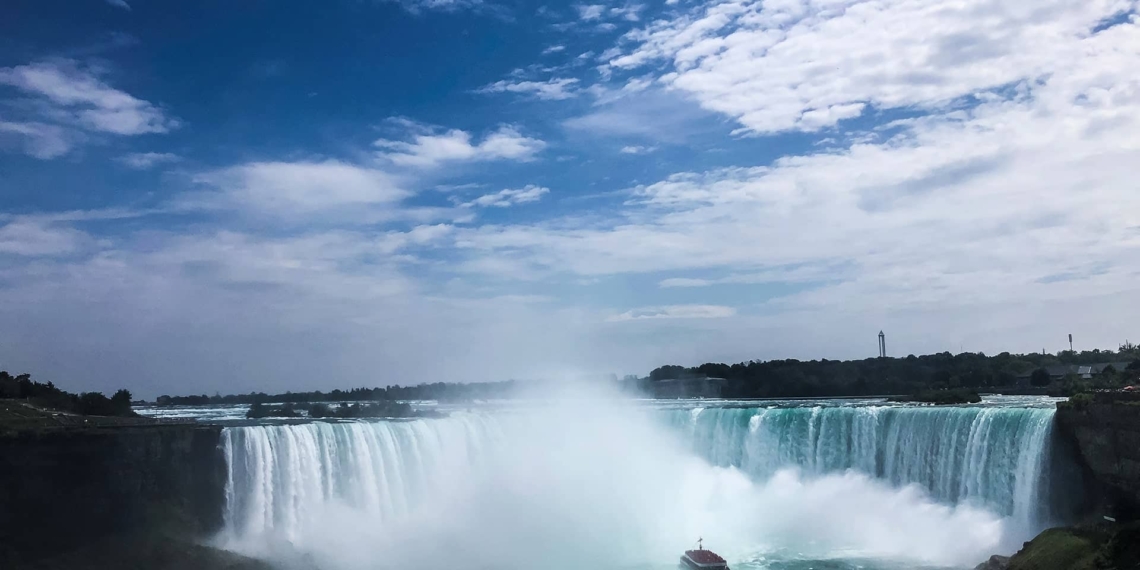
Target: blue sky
285,195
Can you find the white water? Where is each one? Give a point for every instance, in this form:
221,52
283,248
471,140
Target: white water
609,486
995,457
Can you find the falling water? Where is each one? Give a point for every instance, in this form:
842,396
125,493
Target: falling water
279,476
996,457
944,486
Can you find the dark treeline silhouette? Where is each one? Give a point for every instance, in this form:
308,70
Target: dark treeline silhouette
949,396
911,374
440,391
22,387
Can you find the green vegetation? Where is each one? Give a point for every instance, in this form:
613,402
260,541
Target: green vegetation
942,397
1087,547
926,377
1079,401
259,410
1061,549
1006,372
22,387
440,391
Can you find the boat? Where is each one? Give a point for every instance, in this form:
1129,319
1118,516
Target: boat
701,559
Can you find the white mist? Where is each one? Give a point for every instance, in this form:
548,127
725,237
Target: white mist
570,484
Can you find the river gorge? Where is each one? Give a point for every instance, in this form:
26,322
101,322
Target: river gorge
575,483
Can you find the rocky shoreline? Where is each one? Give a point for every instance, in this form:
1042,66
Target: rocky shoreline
1094,546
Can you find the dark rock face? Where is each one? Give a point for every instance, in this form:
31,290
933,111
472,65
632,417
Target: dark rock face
61,489
995,562
1106,430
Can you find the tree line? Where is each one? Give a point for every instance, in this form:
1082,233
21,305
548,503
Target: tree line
787,378
439,391
790,378
47,395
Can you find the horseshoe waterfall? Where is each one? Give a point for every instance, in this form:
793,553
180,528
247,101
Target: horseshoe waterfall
569,486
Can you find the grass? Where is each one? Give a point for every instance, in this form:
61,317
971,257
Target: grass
1060,549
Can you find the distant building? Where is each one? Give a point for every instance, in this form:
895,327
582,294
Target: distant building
1085,371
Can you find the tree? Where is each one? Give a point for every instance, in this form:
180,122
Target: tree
121,402
1039,378
667,372
1006,379
257,410
94,404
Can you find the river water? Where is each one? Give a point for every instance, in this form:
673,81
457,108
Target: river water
589,483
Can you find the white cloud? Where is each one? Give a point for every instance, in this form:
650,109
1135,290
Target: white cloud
998,223
977,206
234,311
86,99
685,282
629,12
30,237
589,12
509,197
429,149
294,188
40,140
635,149
145,160
675,312
807,65
798,274
120,4
551,90
652,114
418,6
553,49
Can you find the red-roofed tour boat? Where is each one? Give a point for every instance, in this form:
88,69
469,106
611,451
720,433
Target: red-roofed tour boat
701,559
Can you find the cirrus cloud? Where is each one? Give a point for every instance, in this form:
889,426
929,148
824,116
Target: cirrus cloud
63,100
429,148
675,312
551,90
510,197
808,65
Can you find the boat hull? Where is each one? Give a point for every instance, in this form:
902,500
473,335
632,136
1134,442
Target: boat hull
689,563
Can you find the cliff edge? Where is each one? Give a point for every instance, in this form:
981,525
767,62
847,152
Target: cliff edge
68,487
1105,427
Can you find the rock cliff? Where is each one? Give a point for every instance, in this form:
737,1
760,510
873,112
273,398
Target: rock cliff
1106,430
66,488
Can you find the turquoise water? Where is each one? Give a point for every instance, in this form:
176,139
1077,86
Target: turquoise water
993,456
770,485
